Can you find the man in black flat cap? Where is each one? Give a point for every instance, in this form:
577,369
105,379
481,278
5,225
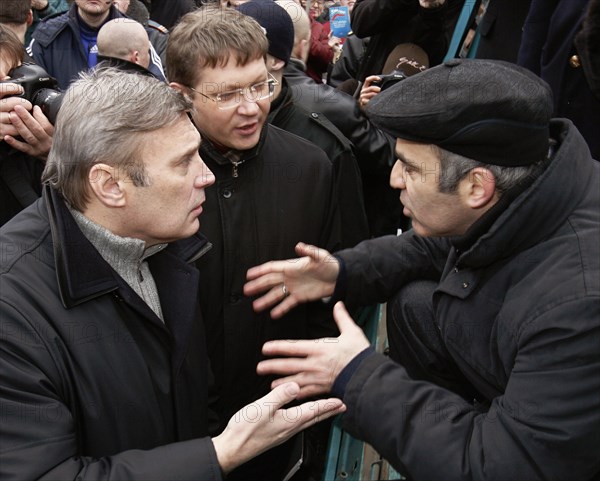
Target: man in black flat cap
493,297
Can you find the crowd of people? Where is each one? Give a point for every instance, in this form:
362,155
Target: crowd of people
198,198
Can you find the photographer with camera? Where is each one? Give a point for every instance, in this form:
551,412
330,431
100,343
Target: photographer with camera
29,124
405,60
25,134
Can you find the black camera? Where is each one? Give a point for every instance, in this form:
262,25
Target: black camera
390,79
38,87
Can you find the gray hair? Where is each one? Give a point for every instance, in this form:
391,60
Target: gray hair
455,167
100,114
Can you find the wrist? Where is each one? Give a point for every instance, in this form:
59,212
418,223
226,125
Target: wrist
223,454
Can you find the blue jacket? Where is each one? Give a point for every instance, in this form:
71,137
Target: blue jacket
56,46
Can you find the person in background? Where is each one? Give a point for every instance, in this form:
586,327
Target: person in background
272,188
157,33
20,173
374,149
556,46
379,26
313,126
66,44
23,128
124,39
42,9
501,28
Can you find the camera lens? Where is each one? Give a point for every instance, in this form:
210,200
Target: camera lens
49,101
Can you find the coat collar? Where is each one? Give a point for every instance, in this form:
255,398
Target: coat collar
208,149
544,206
81,271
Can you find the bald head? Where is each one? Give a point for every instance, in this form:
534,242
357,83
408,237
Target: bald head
301,28
125,39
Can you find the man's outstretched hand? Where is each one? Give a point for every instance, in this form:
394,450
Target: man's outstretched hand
285,284
264,424
314,365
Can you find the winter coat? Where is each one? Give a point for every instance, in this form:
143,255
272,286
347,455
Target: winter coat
519,314
316,128
93,385
20,181
284,193
548,49
374,149
56,46
392,22
501,28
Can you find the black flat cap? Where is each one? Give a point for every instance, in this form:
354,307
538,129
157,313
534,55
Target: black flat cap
491,111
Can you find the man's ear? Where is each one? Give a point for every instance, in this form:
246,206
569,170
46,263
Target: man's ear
480,186
274,64
134,56
106,185
301,49
29,18
177,86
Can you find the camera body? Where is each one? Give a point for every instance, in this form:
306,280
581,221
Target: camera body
390,79
38,87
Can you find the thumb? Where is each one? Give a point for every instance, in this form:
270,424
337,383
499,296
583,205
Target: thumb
281,395
342,318
315,253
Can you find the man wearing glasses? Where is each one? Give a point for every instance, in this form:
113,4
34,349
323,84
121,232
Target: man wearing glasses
272,189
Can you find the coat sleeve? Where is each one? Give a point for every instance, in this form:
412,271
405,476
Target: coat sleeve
535,34
545,425
39,433
375,269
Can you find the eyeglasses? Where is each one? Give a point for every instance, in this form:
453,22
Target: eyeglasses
231,98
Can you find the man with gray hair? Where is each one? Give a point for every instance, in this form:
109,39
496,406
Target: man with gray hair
493,312
102,354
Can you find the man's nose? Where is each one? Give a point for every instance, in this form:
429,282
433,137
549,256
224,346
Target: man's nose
205,177
397,176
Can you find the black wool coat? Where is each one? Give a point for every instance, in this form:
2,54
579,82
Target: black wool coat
519,315
93,385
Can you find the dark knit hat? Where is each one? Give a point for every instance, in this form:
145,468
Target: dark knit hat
277,24
491,111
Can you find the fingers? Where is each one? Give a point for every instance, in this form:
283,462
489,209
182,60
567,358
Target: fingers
308,389
272,297
265,272
312,412
370,79
290,347
27,126
260,280
281,395
36,136
316,411
9,88
285,306
43,121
